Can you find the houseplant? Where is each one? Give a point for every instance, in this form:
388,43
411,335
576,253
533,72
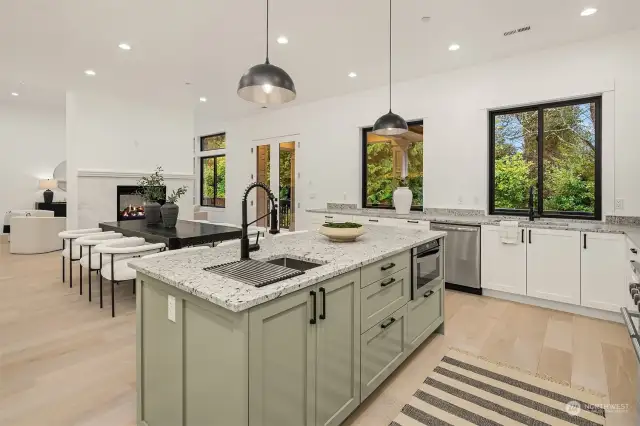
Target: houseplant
170,209
402,197
341,232
152,191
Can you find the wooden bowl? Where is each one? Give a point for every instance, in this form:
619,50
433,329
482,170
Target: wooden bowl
341,235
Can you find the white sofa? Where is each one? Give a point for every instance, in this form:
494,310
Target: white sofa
36,234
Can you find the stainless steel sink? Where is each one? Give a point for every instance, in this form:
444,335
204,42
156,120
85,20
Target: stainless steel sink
297,264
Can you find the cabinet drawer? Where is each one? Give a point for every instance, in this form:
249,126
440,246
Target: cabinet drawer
331,217
365,220
413,223
423,316
384,297
383,349
385,267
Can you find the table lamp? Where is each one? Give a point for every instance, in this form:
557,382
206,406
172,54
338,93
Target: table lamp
48,185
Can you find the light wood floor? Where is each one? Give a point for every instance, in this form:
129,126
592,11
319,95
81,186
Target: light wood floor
64,362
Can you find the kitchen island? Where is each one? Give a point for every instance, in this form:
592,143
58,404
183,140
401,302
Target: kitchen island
303,351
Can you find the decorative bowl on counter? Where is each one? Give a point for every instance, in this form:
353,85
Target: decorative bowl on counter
342,231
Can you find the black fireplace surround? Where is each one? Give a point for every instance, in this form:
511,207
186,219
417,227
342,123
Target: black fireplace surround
130,204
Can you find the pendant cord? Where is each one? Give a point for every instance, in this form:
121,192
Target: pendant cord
267,31
389,55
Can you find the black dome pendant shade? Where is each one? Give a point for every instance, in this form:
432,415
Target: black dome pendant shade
266,83
390,124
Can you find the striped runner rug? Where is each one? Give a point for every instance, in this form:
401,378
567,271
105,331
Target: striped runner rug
466,390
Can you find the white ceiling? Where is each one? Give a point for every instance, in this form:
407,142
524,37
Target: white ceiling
46,45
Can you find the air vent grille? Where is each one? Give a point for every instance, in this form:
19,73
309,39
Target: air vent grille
517,30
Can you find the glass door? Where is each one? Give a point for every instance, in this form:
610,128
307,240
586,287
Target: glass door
263,175
287,184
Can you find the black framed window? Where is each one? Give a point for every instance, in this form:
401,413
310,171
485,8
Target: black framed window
212,181
213,142
386,160
554,148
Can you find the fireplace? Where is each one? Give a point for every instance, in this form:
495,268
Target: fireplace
130,203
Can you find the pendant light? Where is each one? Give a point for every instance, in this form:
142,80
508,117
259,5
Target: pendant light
266,83
390,124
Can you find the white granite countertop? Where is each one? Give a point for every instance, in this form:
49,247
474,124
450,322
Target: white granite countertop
633,232
185,271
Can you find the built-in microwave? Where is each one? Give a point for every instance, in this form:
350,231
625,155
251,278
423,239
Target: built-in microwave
427,267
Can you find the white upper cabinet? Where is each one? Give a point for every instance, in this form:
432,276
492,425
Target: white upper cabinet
604,271
553,265
503,266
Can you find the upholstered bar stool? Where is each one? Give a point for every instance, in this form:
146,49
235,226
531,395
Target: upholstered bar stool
118,270
93,261
70,252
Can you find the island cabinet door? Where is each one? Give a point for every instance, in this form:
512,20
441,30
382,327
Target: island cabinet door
282,361
338,349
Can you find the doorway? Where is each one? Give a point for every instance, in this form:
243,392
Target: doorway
263,175
287,185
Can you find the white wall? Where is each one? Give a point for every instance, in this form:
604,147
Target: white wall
454,106
32,144
118,134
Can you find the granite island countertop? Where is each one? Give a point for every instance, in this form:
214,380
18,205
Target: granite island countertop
185,270
633,232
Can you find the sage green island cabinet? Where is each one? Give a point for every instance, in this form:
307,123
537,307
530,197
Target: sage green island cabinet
304,358
306,351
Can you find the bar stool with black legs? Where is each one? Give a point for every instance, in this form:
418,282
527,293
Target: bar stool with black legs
71,251
92,261
118,269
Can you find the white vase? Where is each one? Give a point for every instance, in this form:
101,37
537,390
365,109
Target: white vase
402,198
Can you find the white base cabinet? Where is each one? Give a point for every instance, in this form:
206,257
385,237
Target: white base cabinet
603,271
553,265
503,266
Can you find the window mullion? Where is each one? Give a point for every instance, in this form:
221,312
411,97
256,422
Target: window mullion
215,180
540,160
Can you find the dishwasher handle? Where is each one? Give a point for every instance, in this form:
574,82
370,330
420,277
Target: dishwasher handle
438,227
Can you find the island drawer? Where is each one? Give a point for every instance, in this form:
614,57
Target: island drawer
383,348
383,268
384,297
424,315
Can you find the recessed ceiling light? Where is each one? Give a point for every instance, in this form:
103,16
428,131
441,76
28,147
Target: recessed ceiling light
454,47
203,99
588,11
353,74
14,94
124,46
283,40
90,72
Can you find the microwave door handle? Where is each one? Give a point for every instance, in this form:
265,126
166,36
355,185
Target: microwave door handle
429,252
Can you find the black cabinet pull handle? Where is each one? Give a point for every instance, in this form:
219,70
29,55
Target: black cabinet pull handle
585,240
388,323
523,235
387,266
529,236
373,220
412,221
313,295
329,217
427,294
634,251
323,315
387,282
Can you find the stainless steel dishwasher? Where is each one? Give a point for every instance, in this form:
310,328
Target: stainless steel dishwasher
462,256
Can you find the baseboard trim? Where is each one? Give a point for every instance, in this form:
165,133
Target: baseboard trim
558,306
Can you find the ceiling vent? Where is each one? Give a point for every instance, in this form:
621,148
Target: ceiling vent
516,31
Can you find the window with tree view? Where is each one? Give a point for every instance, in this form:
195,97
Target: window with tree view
554,148
213,181
387,160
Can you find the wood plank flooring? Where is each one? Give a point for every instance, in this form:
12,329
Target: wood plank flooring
64,361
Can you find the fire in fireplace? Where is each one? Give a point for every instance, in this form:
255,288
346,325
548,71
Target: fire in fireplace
130,203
